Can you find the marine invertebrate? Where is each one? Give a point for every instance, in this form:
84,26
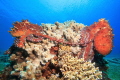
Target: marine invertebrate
54,50
78,69
23,29
42,52
65,48
88,37
103,39
26,31
98,35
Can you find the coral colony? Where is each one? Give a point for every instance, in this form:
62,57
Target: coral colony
60,51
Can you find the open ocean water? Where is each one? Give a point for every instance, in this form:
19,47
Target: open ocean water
50,11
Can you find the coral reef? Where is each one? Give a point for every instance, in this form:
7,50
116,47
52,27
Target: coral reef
57,51
98,36
78,69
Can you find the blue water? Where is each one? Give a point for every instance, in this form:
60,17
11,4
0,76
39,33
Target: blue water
50,11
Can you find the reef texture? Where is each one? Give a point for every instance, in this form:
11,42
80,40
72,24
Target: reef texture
77,69
52,51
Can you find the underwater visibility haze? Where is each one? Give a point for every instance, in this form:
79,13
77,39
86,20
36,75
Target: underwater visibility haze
50,13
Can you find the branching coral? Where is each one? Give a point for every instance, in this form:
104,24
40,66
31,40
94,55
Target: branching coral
78,69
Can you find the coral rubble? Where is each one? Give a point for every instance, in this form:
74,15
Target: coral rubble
57,51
